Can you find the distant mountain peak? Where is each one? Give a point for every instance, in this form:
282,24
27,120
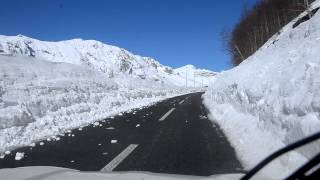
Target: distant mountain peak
20,35
110,60
190,66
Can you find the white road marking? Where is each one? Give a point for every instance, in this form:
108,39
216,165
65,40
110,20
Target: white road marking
118,159
181,102
167,114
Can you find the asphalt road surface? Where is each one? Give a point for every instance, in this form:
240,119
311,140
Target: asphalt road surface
173,136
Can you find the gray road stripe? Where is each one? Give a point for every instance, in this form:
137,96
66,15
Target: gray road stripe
118,159
167,114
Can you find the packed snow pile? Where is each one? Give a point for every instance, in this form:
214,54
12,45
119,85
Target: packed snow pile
273,98
110,60
39,99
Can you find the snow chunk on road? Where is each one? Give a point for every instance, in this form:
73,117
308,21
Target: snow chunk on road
19,156
41,143
138,125
96,124
114,141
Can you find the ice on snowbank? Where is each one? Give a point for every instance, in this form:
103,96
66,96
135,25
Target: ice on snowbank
273,98
40,99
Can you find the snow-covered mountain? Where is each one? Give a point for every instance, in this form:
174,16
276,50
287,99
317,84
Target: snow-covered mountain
111,60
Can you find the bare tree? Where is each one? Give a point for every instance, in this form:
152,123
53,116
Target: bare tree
259,23
308,8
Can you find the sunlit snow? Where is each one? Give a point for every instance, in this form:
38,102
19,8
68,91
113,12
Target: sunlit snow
272,99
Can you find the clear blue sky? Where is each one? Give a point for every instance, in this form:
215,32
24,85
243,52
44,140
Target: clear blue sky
175,32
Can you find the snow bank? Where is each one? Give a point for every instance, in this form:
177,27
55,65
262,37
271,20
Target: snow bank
273,98
39,99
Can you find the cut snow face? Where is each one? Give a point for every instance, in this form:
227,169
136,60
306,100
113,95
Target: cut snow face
41,99
272,99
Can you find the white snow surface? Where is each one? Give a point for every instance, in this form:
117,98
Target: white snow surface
40,99
48,88
272,99
55,173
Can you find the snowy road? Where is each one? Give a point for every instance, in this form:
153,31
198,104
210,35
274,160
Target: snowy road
173,136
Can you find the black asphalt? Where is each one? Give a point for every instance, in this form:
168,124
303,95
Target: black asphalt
186,142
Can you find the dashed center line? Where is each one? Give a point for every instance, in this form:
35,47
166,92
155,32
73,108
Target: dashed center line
167,114
118,159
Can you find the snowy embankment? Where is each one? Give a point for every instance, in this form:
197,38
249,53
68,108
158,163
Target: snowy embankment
40,99
273,98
